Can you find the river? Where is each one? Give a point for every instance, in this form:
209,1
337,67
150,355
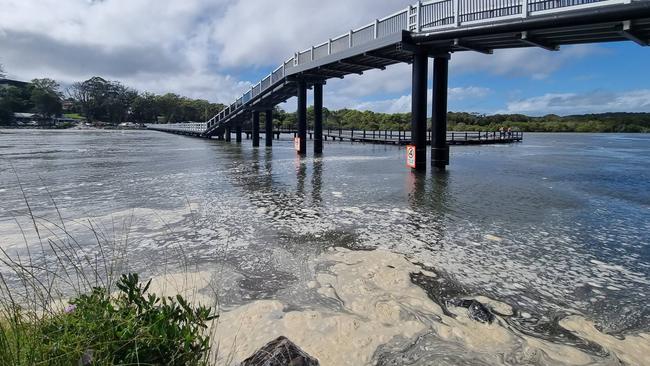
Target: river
555,226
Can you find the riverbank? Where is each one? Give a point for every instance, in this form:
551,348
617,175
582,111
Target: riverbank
71,128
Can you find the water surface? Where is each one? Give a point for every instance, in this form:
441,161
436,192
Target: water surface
556,225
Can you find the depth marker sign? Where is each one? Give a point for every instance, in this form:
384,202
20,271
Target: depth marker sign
410,156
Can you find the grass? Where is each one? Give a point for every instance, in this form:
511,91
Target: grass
74,115
59,306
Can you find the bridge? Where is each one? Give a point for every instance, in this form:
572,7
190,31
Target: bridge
433,29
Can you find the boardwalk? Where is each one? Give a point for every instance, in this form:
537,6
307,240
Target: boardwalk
433,29
401,137
404,137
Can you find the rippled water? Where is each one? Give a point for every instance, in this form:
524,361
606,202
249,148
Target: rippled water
555,225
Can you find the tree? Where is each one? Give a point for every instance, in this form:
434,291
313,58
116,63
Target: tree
103,100
90,95
169,107
45,97
13,99
117,101
144,108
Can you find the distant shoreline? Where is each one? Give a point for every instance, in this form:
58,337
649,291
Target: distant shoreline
449,130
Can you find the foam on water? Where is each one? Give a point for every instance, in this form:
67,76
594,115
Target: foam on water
371,313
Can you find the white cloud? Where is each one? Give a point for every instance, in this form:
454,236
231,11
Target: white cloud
402,104
575,103
263,32
154,46
534,63
201,48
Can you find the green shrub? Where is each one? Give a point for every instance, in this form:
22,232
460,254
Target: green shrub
132,327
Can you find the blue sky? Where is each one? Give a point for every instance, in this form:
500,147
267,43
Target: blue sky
216,49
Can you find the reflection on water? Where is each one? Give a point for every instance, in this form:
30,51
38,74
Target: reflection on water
554,226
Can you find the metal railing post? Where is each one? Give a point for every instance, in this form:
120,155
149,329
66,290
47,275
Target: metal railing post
350,39
524,8
329,46
456,14
376,28
418,26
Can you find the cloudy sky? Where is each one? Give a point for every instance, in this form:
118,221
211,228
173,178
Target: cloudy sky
215,50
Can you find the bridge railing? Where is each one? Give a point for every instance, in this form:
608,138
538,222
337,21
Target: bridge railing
405,135
423,16
190,127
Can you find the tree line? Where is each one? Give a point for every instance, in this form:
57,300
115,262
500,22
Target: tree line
98,99
462,121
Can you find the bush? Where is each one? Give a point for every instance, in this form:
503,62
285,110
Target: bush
131,327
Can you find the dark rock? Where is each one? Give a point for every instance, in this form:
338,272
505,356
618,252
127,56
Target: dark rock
475,309
280,352
87,358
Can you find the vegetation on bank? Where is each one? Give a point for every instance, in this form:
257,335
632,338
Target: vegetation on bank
97,99
109,319
132,327
462,121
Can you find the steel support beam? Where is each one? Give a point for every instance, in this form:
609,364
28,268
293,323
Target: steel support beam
628,33
525,38
419,108
238,133
333,70
439,147
228,133
386,58
318,118
302,116
268,130
464,46
255,129
361,64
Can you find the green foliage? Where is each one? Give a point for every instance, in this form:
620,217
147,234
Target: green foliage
13,99
100,99
110,101
73,115
41,96
45,97
131,327
462,121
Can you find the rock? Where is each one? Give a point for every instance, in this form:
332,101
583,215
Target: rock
280,352
475,310
86,358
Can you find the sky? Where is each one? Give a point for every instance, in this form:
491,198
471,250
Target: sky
217,49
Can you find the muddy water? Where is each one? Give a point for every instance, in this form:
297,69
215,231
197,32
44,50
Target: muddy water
554,230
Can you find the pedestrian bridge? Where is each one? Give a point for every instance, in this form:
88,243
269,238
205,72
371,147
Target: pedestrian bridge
427,29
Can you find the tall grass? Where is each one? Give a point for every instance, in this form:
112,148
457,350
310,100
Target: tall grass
60,305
